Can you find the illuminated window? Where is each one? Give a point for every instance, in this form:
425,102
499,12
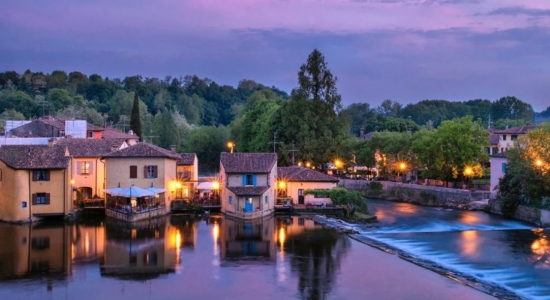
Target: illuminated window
85,165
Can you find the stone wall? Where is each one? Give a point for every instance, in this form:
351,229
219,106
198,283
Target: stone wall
533,215
426,195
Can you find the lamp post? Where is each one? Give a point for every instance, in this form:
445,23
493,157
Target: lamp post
231,145
337,164
468,172
402,168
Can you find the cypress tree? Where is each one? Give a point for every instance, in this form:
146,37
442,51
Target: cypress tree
135,121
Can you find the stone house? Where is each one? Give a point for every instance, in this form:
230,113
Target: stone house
247,184
187,175
293,181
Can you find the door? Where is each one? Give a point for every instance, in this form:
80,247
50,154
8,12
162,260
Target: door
301,197
248,205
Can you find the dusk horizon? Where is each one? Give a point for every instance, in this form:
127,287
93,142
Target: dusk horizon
406,51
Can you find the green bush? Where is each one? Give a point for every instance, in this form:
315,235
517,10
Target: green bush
352,200
375,186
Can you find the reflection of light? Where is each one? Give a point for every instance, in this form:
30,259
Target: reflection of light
470,218
406,208
86,243
215,231
73,251
469,242
541,247
134,234
282,237
178,239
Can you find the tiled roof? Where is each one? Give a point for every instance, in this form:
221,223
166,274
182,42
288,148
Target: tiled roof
111,133
34,156
55,123
187,159
248,190
90,147
248,162
92,127
494,139
301,174
516,130
143,150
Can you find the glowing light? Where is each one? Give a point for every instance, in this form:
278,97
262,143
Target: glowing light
282,236
216,185
282,185
538,163
402,166
72,181
308,164
178,185
299,164
231,145
468,171
216,231
337,163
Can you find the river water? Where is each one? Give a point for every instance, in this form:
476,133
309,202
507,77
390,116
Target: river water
214,257
491,249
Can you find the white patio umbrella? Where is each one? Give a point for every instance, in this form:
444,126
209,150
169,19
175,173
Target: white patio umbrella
156,190
131,192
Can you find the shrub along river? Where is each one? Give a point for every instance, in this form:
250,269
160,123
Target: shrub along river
215,257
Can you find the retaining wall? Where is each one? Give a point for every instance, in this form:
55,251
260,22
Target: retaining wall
534,215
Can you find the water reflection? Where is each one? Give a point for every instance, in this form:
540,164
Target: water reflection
39,251
247,240
468,243
141,250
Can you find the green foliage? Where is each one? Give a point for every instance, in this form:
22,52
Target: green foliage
208,142
374,186
352,200
85,113
135,121
9,115
512,108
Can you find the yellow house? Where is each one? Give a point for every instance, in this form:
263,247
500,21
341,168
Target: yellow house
143,165
247,184
292,182
87,167
187,174
34,182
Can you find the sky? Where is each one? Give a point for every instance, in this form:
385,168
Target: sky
404,50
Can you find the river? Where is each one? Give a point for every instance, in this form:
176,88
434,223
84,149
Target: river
214,257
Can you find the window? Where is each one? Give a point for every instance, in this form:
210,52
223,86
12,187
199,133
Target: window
24,204
41,175
85,165
230,200
150,172
41,199
249,179
133,171
503,137
40,243
503,167
90,134
266,199
514,137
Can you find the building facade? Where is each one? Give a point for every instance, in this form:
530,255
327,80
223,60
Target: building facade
34,182
247,184
187,175
292,182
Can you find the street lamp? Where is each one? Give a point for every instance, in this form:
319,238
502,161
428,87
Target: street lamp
337,164
538,163
308,164
230,145
402,168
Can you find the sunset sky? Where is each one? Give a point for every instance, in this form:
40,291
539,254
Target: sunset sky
405,50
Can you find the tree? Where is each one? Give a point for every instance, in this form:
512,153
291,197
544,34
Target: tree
359,114
390,108
512,108
135,120
9,115
454,146
208,142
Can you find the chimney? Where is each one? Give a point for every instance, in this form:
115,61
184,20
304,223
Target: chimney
173,148
114,148
130,132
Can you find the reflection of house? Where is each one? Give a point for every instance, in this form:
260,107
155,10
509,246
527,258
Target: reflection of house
184,229
34,182
143,165
247,240
293,181
248,184
87,167
34,251
187,174
87,243
140,250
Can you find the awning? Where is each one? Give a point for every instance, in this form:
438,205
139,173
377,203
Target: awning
206,186
131,192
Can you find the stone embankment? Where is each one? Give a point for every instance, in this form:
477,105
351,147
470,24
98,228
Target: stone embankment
540,217
421,194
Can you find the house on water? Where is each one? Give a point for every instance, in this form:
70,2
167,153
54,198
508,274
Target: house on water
141,181
247,188
35,181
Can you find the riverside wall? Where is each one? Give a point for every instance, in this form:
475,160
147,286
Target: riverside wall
419,194
540,217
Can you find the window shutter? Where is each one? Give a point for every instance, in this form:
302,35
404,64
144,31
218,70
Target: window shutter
133,171
34,199
47,175
144,171
90,167
34,175
155,171
244,179
47,198
254,180
79,167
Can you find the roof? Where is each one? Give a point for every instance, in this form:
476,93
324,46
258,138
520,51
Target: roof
90,147
301,174
248,162
494,138
34,156
516,130
92,127
143,150
248,190
111,133
187,158
55,123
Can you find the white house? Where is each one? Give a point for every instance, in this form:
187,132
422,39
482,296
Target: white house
292,182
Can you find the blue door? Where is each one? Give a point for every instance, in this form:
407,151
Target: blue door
248,205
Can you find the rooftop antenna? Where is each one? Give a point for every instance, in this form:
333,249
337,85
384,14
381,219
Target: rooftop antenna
151,136
489,122
293,151
123,117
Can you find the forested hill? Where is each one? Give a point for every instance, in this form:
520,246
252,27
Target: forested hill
200,100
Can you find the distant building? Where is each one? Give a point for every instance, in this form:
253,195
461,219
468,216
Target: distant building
187,175
248,184
293,181
498,168
34,182
506,137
